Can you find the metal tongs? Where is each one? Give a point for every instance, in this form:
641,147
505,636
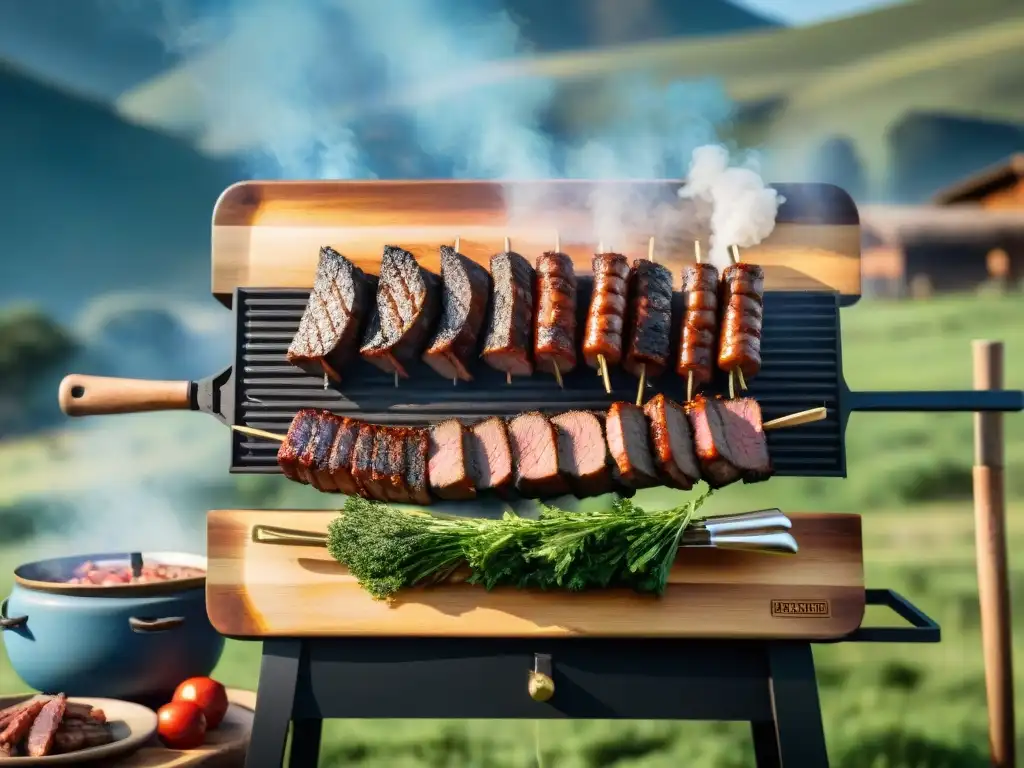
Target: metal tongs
766,530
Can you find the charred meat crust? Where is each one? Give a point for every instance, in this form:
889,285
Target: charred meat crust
294,444
509,340
650,323
465,299
329,329
408,305
417,449
555,296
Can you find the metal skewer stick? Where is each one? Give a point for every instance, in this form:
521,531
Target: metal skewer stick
602,362
508,249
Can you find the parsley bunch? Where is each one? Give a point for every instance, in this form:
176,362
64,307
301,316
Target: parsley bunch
387,549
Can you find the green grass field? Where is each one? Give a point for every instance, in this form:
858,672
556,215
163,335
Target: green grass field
884,706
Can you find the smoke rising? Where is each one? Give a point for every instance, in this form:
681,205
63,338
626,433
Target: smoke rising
740,207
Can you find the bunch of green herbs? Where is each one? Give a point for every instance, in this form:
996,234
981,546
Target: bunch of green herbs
388,549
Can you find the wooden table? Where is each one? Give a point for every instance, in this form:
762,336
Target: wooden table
224,748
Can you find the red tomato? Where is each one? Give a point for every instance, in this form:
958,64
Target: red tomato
208,694
181,725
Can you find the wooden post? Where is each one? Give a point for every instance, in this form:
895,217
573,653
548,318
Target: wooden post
990,544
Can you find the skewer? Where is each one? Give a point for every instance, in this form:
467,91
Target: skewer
258,433
743,381
797,419
734,251
602,363
732,384
643,366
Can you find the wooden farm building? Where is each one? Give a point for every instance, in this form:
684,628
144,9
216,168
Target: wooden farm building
970,236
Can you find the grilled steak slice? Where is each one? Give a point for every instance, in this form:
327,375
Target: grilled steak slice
313,463
534,444
408,304
389,464
417,448
340,460
748,449
362,461
446,463
509,339
650,291
711,441
672,443
18,726
329,328
582,453
629,445
300,432
490,455
466,291
44,727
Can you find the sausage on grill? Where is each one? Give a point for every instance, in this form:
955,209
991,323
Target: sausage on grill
650,292
742,302
555,292
700,325
607,313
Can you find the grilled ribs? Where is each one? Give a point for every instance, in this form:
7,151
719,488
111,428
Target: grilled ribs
508,342
329,329
466,292
408,304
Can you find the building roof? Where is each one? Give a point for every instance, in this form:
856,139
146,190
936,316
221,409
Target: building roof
984,182
900,224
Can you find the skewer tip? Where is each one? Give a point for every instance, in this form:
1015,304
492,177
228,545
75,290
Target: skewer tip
558,243
458,243
558,376
508,245
650,249
600,247
696,250
734,251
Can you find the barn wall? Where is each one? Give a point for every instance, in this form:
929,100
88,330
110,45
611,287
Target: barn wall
946,268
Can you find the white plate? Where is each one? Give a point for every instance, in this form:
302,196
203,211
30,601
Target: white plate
131,725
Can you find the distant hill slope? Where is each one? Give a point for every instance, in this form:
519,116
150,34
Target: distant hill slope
92,204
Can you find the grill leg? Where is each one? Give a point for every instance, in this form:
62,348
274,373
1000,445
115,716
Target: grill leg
799,733
766,746
305,751
275,697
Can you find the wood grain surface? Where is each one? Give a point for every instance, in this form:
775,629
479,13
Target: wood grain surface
267,234
225,746
259,590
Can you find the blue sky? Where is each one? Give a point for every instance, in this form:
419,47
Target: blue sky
811,11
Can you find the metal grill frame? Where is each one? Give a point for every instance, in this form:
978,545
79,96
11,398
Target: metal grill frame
802,369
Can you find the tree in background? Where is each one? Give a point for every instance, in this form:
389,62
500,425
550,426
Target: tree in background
33,349
837,162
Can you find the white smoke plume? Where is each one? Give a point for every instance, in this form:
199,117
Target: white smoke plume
741,208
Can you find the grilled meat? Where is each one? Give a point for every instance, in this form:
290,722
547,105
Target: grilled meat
78,711
607,314
628,443
491,455
509,334
650,296
555,295
408,304
417,450
340,459
742,302
534,444
583,453
389,464
294,444
44,727
466,292
447,466
672,443
20,725
362,461
748,448
329,329
697,340
313,462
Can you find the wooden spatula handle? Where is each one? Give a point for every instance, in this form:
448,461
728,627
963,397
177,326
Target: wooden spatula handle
101,395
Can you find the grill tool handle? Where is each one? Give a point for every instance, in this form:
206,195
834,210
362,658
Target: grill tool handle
80,395
963,401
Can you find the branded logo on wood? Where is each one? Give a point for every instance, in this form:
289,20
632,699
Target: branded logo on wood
816,609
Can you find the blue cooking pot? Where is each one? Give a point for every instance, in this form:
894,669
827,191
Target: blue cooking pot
125,641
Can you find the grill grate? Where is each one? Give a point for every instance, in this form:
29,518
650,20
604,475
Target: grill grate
801,370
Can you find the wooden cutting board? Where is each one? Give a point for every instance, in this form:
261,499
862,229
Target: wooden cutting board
257,590
267,234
